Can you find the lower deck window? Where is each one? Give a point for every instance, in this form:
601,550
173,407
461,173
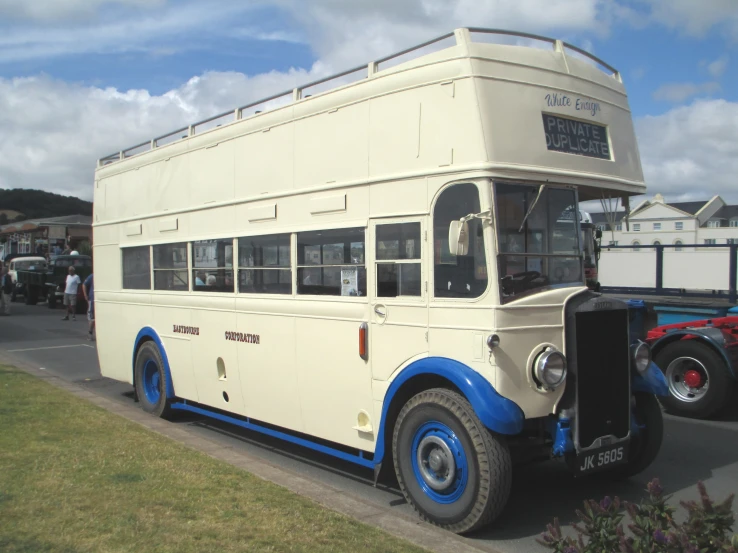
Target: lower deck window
170,267
331,262
264,264
212,266
137,268
398,260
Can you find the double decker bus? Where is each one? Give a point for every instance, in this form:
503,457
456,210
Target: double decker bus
380,266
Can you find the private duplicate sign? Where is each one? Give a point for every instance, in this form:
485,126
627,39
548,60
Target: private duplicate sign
574,136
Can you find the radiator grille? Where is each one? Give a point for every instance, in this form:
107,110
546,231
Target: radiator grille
603,375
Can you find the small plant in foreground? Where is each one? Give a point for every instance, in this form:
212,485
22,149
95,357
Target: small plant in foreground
652,528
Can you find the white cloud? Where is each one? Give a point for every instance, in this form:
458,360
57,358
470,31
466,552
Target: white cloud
679,92
59,130
692,151
717,67
693,17
344,33
51,10
161,27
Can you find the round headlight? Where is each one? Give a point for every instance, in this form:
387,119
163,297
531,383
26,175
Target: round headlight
641,356
550,369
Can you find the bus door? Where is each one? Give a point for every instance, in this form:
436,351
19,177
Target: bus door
399,306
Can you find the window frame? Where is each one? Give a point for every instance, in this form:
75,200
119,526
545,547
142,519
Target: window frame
124,249
295,257
291,267
485,191
679,225
187,270
498,253
193,268
657,226
420,260
636,227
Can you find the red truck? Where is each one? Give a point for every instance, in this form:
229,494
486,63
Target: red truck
700,362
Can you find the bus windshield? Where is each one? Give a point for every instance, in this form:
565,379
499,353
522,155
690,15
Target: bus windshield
538,238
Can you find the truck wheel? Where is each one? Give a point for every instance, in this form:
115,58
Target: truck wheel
150,381
645,445
699,383
13,296
51,299
451,469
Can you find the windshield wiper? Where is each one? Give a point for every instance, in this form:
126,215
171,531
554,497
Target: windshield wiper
532,206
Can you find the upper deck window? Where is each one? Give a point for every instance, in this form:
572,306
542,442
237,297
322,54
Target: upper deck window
212,265
459,276
264,265
538,238
331,262
170,267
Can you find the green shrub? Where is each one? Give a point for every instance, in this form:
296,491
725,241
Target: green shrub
652,527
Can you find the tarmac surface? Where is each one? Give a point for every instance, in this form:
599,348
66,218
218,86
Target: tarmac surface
35,337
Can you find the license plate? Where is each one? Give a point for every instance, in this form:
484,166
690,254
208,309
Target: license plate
602,457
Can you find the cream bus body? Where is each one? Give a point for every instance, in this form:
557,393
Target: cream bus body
373,156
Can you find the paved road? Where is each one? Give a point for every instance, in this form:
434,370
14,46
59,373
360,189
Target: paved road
692,450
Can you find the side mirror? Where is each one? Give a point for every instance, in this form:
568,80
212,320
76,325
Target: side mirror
458,237
598,233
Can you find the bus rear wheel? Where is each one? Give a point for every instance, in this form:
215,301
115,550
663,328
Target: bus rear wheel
451,469
150,381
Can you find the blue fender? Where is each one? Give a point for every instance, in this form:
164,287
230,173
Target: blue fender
653,382
148,332
712,337
497,413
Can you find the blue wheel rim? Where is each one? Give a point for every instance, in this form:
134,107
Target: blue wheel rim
151,382
439,462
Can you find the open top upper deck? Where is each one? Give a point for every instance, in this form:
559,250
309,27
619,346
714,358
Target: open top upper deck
456,103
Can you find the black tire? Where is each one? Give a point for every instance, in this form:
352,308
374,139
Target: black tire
150,389
81,307
51,300
645,446
477,495
13,296
716,386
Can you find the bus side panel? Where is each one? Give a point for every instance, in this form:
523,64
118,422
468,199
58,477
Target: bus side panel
115,335
267,365
215,359
335,382
178,345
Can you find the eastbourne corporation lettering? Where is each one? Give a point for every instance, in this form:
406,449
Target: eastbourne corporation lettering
241,337
576,137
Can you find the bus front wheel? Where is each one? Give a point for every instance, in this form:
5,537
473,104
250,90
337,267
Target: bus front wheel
453,471
150,381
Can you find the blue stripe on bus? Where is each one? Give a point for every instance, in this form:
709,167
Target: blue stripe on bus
357,459
148,332
496,412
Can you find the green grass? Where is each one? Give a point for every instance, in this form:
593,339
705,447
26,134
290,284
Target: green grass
75,478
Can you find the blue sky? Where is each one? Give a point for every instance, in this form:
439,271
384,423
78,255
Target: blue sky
80,78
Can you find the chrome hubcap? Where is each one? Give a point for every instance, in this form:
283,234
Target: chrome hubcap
684,384
436,463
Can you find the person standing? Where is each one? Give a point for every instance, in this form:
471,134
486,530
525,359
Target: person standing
70,294
6,288
88,288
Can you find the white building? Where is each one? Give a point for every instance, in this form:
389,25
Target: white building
657,222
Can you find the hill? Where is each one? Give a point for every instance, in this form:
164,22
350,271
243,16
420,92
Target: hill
37,204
